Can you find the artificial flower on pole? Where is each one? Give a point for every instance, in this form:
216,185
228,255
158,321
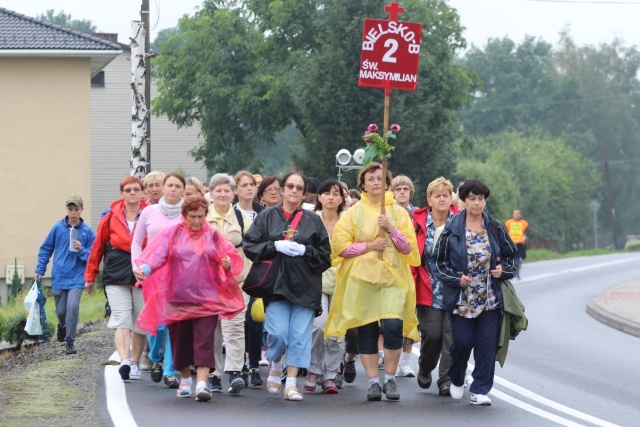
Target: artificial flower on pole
377,146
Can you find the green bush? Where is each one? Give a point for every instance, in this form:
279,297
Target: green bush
632,245
13,330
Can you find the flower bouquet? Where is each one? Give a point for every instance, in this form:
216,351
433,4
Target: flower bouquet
378,145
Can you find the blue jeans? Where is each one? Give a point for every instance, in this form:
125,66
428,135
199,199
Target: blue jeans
479,334
290,327
68,309
156,350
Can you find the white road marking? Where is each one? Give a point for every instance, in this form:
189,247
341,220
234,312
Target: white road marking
573,270
550,403
536,397
530,408
117,396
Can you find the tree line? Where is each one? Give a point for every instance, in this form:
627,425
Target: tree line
549,127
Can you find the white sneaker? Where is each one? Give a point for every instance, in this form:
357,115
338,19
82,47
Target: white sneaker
145,362
456,391
134,374
263,361
404,369
480,399
124,369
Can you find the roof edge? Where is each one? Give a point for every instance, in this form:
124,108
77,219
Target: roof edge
59,52
104,42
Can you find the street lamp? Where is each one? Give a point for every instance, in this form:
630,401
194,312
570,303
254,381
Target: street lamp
345,161
594,205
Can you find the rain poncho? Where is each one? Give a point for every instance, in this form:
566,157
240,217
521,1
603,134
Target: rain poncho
187,278
368,289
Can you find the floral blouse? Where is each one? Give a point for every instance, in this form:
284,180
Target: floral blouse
478,295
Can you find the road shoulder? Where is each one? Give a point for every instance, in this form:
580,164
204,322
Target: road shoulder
44,386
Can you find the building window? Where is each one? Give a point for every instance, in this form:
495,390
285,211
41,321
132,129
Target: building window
98,80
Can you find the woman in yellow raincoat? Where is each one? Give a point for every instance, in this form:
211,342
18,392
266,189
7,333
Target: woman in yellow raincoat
370,292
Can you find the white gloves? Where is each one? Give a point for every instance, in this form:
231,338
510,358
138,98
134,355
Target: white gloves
289,247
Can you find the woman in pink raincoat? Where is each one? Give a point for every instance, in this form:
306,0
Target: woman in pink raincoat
189,284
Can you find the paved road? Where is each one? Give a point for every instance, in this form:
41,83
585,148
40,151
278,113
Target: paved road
567,369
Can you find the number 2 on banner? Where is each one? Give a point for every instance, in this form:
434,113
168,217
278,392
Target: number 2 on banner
394,46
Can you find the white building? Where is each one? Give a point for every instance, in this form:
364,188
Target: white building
111,135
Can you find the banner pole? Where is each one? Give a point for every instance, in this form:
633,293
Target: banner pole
385,129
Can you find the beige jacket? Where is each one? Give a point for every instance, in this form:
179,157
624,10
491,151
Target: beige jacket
231,231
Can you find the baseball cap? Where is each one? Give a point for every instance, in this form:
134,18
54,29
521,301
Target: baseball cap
74,199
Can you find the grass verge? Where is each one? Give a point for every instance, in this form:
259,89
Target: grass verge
545,254
91,308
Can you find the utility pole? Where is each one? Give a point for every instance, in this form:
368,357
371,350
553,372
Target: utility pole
144,17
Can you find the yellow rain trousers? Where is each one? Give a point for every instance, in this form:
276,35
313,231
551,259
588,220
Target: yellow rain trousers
368,289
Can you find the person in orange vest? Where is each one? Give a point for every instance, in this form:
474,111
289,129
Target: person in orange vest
518,229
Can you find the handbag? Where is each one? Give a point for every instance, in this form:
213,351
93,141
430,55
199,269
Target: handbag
263,274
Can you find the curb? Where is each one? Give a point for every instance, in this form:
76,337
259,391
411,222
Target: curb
612,320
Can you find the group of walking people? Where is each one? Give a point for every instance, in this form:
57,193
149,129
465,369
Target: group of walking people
350,281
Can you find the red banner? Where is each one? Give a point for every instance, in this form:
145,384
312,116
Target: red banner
390,54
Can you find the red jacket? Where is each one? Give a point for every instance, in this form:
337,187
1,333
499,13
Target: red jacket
112,228
424,291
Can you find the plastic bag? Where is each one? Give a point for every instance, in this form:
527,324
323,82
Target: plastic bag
32,312
31,297
257,310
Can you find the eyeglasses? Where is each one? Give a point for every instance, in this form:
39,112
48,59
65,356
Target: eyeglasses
291,186
132,190
271,190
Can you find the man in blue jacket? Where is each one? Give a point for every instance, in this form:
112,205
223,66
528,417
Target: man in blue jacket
69,241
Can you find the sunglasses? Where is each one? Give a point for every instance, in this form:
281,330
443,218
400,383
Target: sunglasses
132,190
291,186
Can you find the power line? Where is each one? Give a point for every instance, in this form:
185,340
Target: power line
157,15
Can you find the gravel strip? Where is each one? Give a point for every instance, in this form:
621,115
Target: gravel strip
43,386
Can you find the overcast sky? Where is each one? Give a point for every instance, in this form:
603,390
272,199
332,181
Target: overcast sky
589,21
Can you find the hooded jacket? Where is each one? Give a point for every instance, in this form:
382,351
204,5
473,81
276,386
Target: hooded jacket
451,260
68,266
300,278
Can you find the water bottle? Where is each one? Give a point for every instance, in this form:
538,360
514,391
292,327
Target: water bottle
73,235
